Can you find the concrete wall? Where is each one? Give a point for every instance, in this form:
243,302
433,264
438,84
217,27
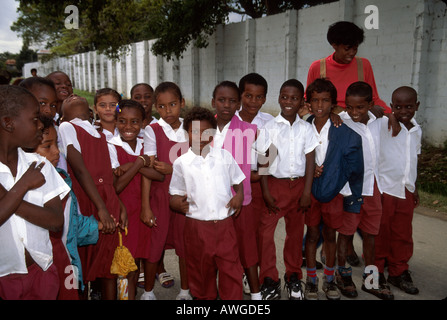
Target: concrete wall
408,48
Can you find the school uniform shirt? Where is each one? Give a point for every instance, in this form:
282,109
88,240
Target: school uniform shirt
150,141
17,234
293,143
116,141
206,182
109,135
69,136
370,134
398,159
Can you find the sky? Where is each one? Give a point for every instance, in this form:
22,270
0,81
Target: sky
9,40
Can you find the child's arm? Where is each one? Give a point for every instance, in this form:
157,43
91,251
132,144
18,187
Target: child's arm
179,203
162,167
50,216
123,216
146,215
121,182
236,202
263,165
305,199
75,160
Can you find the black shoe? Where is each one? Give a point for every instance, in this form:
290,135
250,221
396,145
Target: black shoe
404,282
271,290
346,285
293,286
383,292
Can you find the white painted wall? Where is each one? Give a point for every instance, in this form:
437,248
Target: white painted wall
409,48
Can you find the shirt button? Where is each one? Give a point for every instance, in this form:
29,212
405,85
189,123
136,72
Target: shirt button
100,180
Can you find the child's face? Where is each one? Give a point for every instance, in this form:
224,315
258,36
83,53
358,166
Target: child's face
169,106
105,108
143,95
344,53
290,100
252,98
200,135
321,104
129,123
27,126
48,148
357,108
226,102
404,107
63,85
46,96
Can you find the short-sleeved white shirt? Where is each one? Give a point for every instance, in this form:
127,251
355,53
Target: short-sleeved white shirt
68,134
293,143
17,234
150,141
370,134
398,159
116,141
206,182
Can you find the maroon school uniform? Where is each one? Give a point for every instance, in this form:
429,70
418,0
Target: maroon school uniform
138,238
96,259
169,231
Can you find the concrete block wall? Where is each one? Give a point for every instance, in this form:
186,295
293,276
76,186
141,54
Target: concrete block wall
408,48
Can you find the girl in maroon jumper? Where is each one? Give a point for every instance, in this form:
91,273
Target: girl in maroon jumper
129,163
89,166
164,142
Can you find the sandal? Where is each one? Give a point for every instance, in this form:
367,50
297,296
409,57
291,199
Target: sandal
166,280
140,283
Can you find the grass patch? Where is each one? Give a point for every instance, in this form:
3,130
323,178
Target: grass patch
87,95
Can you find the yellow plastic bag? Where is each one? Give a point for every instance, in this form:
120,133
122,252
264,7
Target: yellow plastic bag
122,264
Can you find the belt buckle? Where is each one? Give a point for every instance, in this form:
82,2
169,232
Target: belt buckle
292,179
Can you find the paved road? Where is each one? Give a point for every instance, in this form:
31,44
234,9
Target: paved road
428,266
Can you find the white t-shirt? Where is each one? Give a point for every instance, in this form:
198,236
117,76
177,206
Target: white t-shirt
17,234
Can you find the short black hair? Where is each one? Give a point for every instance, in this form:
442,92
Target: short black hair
141,84
227,84
30,82
253,78
322,85
345,32
130,104
199,113
12,100
360,89
293,83
168,86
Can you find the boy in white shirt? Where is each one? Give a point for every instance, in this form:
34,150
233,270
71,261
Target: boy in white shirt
397,175
201,189
287,192
360,119
30,202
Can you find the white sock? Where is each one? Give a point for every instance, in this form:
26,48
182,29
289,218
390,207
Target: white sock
256,296
184,292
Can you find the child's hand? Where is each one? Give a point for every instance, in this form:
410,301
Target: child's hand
393,124
336,120
318,171
148,218
122,169
235,204
124,222
162,167
305,202
270,202
33,177
108,221
179,203
416,198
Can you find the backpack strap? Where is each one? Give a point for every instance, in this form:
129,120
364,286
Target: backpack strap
323,68
360,75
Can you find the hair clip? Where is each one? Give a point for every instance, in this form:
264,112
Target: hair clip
118,109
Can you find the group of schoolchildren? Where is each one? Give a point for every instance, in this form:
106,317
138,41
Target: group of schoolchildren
211,185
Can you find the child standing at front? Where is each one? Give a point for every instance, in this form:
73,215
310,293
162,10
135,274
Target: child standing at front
397,175
208,203
287,192
128,162
106,100
91,171
239,138
359,101
339,161
164,142
30,202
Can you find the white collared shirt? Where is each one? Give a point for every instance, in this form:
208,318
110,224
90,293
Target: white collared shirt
323,141
117,141
68,134
206,182
293,143
370,134
150,141
398,159
17,234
